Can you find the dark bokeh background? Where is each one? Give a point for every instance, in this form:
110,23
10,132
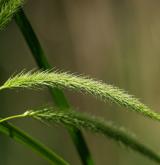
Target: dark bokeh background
116,41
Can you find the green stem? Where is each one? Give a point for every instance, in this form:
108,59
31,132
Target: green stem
12,117
57,94
23,138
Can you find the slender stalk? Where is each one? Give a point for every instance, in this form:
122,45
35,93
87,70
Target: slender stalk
12,117
58,96
38,147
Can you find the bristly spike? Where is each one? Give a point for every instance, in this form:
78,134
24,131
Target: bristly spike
105,92
96,125
7,10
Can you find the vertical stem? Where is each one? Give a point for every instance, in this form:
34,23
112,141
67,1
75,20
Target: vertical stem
57,94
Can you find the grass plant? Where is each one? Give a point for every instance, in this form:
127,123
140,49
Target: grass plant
56,81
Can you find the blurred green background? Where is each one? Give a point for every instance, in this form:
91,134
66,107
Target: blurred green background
117,41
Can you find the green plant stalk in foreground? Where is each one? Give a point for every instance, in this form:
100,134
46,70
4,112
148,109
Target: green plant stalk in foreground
93,124
35,80
38,147
58,96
